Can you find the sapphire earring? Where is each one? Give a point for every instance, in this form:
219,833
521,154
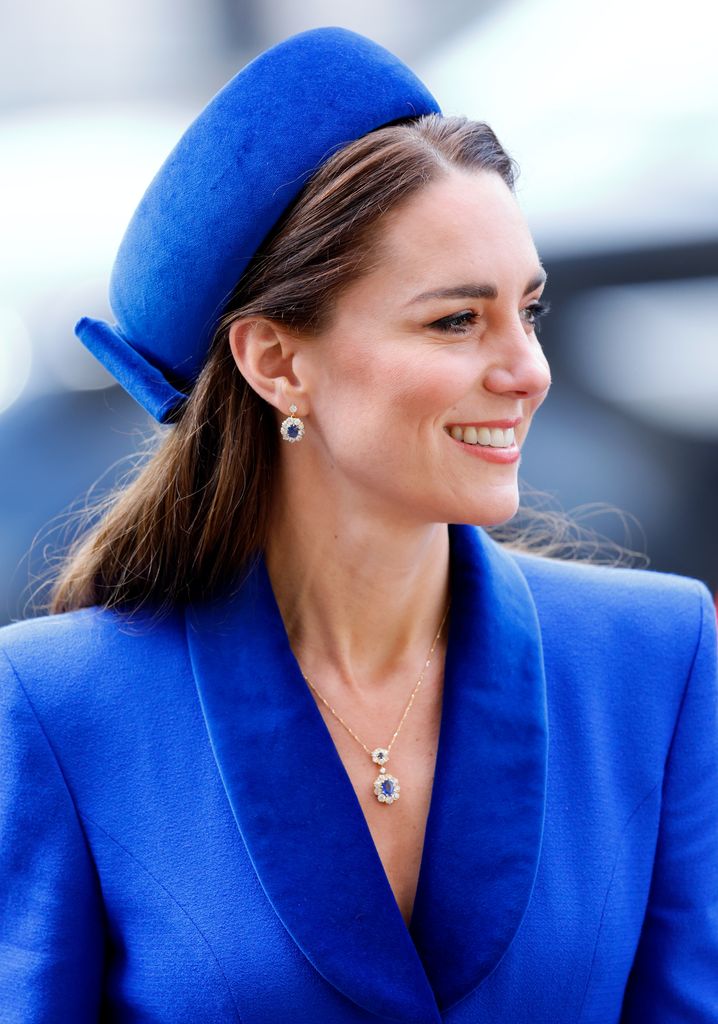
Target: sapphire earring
292,429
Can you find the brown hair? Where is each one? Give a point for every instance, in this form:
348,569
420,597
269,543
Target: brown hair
196,512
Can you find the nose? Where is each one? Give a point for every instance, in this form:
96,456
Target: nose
519,367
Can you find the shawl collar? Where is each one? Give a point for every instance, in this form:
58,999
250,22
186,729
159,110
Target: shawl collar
303,826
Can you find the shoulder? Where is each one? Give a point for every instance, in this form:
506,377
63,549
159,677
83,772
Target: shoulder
624,650
81,638
630,609
87,657
612,590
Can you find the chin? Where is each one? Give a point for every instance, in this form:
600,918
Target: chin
493,513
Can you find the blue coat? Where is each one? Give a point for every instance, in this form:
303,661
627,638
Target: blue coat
180,843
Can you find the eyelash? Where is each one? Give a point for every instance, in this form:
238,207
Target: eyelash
457,324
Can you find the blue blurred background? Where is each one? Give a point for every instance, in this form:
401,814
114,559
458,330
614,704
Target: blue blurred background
610,109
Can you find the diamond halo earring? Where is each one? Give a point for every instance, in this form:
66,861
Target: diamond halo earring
292,428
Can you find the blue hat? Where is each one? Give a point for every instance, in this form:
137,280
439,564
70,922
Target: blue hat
235,170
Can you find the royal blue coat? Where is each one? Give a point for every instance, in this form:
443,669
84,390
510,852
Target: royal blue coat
180,842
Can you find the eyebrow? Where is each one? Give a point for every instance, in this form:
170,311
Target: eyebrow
475,291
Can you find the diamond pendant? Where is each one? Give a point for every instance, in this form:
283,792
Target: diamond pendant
386,786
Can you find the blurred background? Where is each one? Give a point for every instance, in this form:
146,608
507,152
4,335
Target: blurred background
610,109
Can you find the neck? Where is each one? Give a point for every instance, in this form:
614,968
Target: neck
361,598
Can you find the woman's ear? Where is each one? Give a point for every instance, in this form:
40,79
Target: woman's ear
265,355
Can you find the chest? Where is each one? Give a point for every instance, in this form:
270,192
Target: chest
397,829
196,934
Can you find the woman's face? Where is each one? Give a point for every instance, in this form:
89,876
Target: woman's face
437,339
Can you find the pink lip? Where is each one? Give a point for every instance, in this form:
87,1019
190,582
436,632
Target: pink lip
503,424
488,454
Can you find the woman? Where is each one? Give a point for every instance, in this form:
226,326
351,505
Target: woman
298,743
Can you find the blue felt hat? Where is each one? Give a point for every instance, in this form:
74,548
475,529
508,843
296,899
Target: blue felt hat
235,170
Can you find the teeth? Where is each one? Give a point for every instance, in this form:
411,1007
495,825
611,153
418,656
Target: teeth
493,437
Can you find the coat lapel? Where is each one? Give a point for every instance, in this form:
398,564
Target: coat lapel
296,808
303,826
483,833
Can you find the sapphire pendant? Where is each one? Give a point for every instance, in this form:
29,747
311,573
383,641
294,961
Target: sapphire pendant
386,787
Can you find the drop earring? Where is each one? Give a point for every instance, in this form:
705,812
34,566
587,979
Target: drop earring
292,428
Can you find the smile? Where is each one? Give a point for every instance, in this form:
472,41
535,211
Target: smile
487,437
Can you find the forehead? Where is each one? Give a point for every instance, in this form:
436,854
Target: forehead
463,225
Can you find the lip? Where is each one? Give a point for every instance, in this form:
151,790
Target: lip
504,456
502,424
488,454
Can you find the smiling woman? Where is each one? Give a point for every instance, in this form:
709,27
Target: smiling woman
362,282
363,747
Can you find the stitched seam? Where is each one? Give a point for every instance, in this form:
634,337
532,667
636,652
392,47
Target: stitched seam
56,759
689,675
68,790
84,817
632,815
662,783
174,899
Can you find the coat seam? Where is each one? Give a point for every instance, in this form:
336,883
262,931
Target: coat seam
660,784
81,818
604,907
58,763
174,899
689,676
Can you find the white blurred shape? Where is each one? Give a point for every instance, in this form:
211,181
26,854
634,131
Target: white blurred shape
610,108
15,356
70,179
651,349
401,25
79,48
66,362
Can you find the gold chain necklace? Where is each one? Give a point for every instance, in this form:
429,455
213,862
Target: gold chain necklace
386,786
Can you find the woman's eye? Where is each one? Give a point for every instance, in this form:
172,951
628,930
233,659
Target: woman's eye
461,323
457,324
534,313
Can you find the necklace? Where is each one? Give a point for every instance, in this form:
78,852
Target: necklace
386,786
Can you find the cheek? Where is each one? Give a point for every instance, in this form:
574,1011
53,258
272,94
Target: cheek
385,378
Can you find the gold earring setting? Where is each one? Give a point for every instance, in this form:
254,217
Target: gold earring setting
292,428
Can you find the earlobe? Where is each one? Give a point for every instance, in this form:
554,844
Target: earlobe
264,354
